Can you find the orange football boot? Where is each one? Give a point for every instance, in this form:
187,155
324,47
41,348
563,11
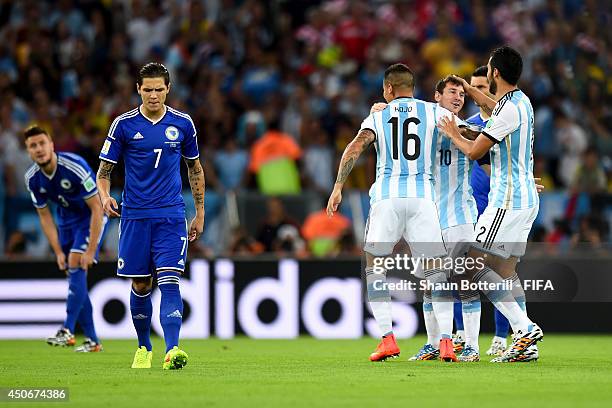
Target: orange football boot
386,348
447,353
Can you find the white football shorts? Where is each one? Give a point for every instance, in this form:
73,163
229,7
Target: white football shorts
504,232
414,219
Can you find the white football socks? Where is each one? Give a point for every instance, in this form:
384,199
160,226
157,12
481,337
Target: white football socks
442,302
379,300
431,324
503,300
470,310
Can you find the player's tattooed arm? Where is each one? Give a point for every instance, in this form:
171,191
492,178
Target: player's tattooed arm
196,181
198,184
105,170
351,154
103,180
362,141
486,109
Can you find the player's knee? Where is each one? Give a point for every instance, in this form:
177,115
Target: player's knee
74,260
508,267
142,285
459,279
504,267
369,260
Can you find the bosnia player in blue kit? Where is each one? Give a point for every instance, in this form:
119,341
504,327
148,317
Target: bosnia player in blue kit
67,180
153,235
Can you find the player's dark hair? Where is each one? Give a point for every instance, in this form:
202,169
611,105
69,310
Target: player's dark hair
447,80
480,71
399,76
34,131
153,70
508,62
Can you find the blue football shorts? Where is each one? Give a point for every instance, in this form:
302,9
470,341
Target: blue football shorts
75,238
150,244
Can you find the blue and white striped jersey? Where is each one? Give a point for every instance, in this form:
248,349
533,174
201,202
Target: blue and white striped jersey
454,198
511,128
480,180
406,147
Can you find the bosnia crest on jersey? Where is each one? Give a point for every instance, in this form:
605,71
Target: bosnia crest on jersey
65,183
172,133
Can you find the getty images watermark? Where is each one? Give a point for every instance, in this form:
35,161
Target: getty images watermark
458,265
404,262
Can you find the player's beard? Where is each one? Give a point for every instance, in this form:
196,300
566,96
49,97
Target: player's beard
493,86
46,162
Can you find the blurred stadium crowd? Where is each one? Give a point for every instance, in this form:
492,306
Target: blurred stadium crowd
278,88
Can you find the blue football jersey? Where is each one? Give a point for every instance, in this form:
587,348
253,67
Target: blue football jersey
480,181
69,186
152,153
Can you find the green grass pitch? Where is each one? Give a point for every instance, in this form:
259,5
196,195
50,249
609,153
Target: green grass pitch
574,370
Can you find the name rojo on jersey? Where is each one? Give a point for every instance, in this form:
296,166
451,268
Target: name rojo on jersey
406,143
151,151
511,128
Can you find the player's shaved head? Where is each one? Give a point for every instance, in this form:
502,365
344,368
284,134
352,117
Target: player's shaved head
153,70
399,76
